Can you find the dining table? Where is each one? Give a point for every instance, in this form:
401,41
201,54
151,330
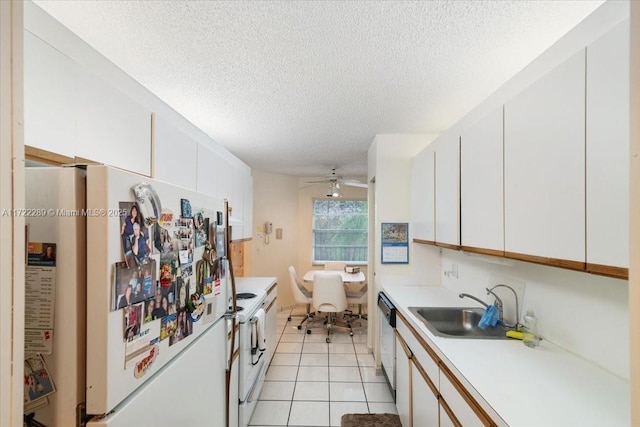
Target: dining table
347,278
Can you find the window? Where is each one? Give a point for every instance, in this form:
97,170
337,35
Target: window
340,230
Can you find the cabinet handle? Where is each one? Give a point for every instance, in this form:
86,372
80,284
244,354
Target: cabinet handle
404,345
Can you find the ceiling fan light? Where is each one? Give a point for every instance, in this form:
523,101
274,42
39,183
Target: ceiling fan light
334,190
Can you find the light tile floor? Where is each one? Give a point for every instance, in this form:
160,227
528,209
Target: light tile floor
312,383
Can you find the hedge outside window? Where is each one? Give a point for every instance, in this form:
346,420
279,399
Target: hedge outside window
340,230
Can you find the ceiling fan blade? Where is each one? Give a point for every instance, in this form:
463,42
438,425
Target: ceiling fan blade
351,183
316,182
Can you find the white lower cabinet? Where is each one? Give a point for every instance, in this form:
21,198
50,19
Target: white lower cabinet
403,382
425,397
425,392
459,407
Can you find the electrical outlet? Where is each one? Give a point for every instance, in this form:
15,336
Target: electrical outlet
452,271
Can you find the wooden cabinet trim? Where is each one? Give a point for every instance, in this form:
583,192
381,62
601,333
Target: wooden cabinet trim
473,404
450,414
493,252
273,302
607,270
599,269
245,239
48,157
448,246
552,262
424,242
417,336
403,344
424,375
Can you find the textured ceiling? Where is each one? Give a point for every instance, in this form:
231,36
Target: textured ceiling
296,87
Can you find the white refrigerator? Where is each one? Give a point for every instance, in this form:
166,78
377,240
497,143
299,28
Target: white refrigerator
141,338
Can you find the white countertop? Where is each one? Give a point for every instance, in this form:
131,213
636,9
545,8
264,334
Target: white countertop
545,387
254,284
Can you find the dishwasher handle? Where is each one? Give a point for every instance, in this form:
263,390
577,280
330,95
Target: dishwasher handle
387,309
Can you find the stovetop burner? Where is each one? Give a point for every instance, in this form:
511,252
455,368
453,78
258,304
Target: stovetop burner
245,295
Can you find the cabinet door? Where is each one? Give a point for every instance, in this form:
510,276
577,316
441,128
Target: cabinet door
50,98
481,183
462,411
174,155
112,128
207,173
608,148
403,382
447,155
247,220
545,165
425,397
423,195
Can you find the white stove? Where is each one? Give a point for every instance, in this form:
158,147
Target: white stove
252,362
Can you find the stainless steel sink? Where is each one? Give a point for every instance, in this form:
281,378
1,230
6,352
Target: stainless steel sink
457,322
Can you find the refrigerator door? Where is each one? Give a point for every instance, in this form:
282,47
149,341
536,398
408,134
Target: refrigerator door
117,367
188,391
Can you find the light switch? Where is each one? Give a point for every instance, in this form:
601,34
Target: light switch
278,233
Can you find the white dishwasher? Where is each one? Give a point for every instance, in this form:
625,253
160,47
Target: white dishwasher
387,338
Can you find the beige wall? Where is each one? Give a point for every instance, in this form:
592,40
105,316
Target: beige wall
286,201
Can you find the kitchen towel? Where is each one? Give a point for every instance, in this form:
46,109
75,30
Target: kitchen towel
490,317
262,341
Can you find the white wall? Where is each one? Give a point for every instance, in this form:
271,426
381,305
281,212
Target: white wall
275,199
286,201
586,314
390,160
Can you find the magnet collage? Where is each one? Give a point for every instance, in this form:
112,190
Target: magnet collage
157,281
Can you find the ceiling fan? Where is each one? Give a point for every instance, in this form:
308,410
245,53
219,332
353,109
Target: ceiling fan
335,181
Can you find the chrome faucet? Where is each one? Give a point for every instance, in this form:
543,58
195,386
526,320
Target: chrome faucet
475,299
517,326
497,303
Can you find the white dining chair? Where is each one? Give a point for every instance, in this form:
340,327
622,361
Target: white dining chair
301,295
358,298
330,297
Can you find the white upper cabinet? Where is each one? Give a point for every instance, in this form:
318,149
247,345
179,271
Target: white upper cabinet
223,169
608,148
447,194
236,201
206,175
248,206
70,111
481,183
112,128
174,155
50,97
423,195
545,165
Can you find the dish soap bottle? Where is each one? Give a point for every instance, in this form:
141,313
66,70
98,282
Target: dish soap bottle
530,333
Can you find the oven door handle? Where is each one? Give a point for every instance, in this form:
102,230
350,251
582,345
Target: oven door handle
254,386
